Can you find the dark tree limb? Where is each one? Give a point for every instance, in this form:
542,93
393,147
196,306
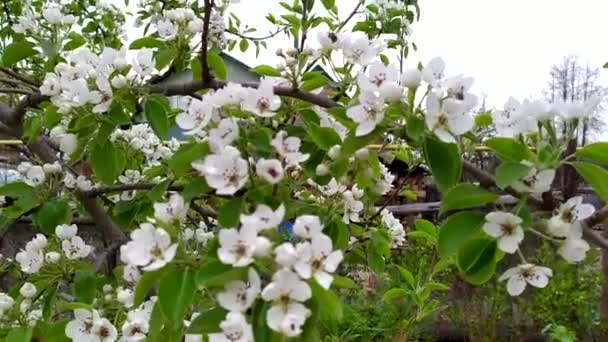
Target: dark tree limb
205,41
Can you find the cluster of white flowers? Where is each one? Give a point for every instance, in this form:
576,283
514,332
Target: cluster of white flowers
395,228
88,325
51,13
35,175
88,79
141,137
566,229
523,117
217,29
178,21
73,246
81,182
129,177
31,259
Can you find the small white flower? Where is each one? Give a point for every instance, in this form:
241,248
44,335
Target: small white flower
83,184
52,257
30,260
66,231
334,152
239,247
270,170
125,297
368,113
238,296
197,116
307,226
289,149
352,207
381,79
226,172
234,329
28,290
103,331
166,29
330,40
567,215
6,302
52,168
75,248
286,255
52,15
105,95
262,101
434,72
518,277
362,51
447,118
174,209
35,175
506,227
223,135
287,319
264,217
119,81
81,327
144,62
195,26
131,273
411,78
574,249
149,247
513,119
318,259
537,181
287,315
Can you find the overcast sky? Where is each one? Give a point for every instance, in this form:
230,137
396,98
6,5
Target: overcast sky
508,46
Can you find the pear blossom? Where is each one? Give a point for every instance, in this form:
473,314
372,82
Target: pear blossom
381,79
457,88
52,14
66,231
149,247
518,277
262,101
196,117
125,297
318,259
223,135
537,181
75,248
81,327
289,149
166,29
35,175
52,257
286,255
326,120
144,62
264,217
447,118
287,319
352,206
271,170
411,78
238,296
434,72
362,51
330,40
83,184
226,172
239,247
28,290
568,214
368,113
104,331
174,209
286,290
513,119
234,329
395,228
6,302
30,259
574,249
506,227
104,94
307,226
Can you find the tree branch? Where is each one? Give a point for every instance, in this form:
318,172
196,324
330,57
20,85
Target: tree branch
128,187
18,76
15,91
205,41
270,35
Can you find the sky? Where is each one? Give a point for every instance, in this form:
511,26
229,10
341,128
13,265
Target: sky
507,46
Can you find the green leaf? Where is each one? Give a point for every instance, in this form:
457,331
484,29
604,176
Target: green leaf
394,293
84,286
144,285
328,4
509,172
597,152
195,66
596,176
427,227
18,51
208,321
330,308
182,159
156,109
465,196
108,161
313,80
17,189
52,214
457,230
55,331
194,188
266,70
156,193
175,295
338,232
32,127
229,214
341,282
52,117
216,64
408,276
20,334
509,149
476,260
323,137
444,161
243,45
76,41
214,274
415,127
146,42
375,261
164,57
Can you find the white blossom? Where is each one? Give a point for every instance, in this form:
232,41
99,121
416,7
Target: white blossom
223,135
506,227
307,226
264,217
537,181
262,101
75,248
287,315
66,231
411,78
238,296
434,72
368,113
317,259
28,290
226,172
289,149
150,247
239,247
447,118
568,214
270,170
234,329
518,277
174,209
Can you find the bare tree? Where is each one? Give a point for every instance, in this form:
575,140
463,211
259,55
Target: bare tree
570,82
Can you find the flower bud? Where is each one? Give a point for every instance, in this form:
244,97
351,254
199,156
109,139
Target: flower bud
334,152
322,170
27,290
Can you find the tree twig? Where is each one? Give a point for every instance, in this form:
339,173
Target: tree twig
205,41
270,35
15,91
18,76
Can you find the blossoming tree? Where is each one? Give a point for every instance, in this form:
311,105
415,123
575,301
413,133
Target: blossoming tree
244,230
